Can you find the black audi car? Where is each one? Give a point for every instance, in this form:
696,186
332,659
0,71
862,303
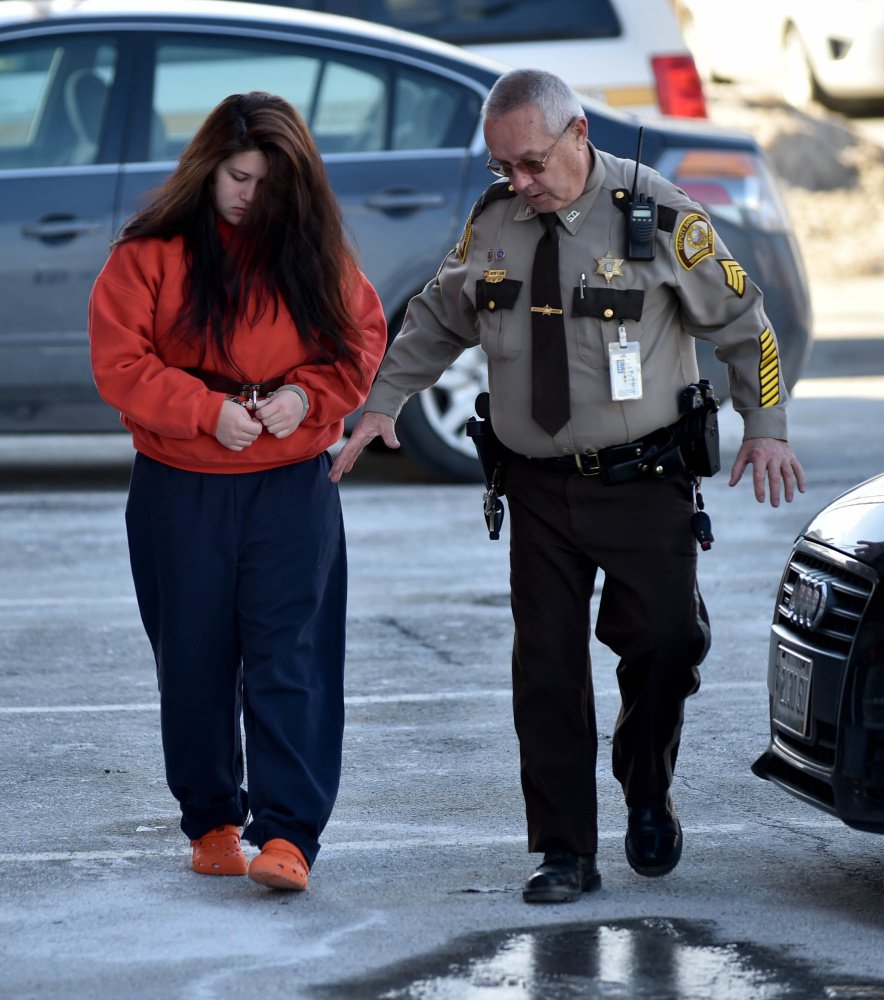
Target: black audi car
826,664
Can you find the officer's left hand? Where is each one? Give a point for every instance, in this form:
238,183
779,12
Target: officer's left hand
772,460
281,413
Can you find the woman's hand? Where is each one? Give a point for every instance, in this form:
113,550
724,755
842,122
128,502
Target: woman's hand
282,412
237,428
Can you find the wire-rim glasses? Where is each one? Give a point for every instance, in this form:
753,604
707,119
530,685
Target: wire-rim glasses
500,168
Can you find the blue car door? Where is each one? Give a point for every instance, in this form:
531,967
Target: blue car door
59,152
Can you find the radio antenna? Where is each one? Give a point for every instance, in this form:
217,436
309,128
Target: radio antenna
638,158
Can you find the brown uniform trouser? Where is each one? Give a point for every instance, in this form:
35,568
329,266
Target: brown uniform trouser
564,528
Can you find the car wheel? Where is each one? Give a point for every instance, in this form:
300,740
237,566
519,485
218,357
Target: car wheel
797,83
432,425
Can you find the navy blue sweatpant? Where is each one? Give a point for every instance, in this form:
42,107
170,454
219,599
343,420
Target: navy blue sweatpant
242,586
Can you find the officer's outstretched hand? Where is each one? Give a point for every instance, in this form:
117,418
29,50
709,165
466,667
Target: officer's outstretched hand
370,426
772,460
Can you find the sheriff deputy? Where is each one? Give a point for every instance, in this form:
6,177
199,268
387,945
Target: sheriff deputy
588,353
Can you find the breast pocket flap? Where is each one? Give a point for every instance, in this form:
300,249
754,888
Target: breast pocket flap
493,295
609,303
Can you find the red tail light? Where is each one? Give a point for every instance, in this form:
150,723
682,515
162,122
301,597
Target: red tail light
733,184
679,89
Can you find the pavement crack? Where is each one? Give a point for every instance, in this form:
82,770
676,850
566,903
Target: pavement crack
420,640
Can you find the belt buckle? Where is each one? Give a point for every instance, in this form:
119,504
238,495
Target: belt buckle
588,465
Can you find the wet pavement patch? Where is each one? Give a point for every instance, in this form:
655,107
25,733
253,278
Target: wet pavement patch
644,959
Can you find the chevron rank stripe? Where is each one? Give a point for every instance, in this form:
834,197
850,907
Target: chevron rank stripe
734,276
769,369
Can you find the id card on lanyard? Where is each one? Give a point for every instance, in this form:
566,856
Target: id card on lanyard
625,364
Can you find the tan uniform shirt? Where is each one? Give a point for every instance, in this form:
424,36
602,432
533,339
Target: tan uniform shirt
692,289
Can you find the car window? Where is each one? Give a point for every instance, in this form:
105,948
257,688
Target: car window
431,113
349,112
470,22
353,104
54,94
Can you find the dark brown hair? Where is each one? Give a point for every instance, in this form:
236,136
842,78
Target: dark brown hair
290,245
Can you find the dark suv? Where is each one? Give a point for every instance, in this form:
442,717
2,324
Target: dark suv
826,666
97,100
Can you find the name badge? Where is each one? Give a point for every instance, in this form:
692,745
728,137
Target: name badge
494,275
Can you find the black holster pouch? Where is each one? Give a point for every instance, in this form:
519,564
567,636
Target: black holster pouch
697,429
492,457
658,460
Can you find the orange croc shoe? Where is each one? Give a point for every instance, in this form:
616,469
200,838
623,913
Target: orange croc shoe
218,852
280,865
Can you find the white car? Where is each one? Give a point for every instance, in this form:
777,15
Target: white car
801,50
628,54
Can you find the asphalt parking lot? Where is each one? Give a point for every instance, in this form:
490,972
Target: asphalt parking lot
416,892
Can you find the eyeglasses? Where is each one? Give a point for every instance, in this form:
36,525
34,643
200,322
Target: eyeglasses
500,168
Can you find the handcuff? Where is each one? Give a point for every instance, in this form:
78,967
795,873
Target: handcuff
249,395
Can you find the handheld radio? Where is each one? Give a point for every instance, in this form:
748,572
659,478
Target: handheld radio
641,219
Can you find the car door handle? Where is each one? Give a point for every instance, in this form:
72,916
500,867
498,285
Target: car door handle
399,200
59,229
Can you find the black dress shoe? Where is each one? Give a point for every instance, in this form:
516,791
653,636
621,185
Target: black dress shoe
562,877
653,839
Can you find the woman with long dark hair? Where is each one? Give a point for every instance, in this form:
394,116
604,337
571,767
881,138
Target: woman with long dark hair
234,331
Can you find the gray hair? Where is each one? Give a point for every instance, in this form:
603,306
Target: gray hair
556,101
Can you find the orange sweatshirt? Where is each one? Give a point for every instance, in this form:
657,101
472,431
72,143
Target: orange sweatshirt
172,416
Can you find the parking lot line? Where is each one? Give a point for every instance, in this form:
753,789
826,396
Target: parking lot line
354,701
399,844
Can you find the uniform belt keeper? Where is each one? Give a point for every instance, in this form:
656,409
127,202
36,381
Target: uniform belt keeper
295,388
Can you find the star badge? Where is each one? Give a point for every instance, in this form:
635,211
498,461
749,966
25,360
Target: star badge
609,266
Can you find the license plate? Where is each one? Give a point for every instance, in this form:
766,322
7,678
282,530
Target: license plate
792,693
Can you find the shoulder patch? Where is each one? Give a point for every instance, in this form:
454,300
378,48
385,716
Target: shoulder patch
734,276
694,241
463,244
494,192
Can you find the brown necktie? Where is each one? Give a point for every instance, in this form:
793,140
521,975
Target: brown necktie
550,393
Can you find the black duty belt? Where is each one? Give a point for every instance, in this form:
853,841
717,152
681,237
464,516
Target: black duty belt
235,387
655,456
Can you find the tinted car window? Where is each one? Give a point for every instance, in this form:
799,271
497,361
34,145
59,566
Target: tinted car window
431,113
54,94
468,22
352,104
